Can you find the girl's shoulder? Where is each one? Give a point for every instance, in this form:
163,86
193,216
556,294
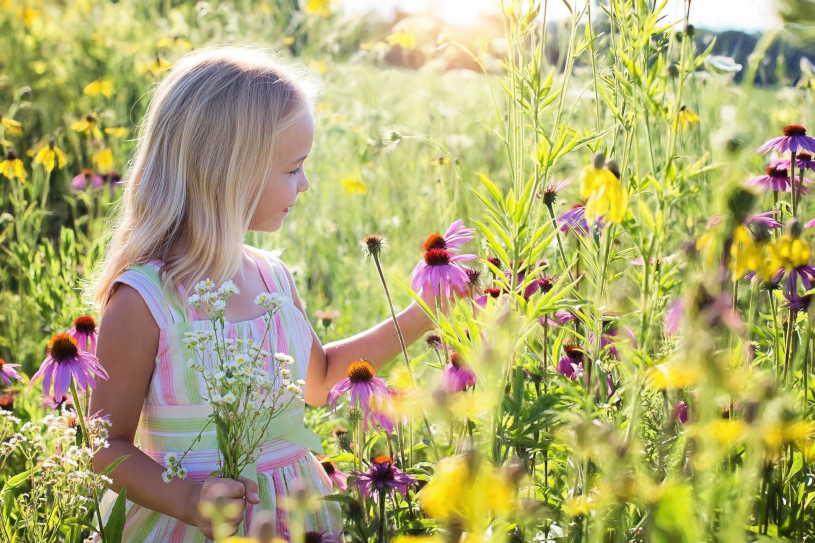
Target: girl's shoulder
145,279
274,265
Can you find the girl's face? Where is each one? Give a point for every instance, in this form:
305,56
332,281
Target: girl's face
288,178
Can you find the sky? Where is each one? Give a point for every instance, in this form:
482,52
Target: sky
747,15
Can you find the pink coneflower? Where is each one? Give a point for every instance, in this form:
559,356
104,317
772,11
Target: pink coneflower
53,403
320,537
456,236
381,476
65,362
87,176
541,284
457,375
803,161
339,478
681,411
488,293
84,331
673,317
574,220
794,138
551,190
440,272
367,391
767,219
571,365
7,372
776,178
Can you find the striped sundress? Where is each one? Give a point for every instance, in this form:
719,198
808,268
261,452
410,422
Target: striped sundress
175,410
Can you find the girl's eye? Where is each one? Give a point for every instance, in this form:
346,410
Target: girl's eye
295,172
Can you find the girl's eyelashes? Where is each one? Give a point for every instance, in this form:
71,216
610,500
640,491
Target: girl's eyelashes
296,171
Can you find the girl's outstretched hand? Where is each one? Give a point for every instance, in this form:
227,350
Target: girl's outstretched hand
228,498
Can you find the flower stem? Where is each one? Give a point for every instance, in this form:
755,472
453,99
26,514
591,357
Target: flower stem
393,315
87,439
381,537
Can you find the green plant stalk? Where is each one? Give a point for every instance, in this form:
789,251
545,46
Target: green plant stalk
381,531
87,439
393,316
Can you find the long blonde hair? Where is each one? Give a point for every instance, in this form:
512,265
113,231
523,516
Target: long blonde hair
205,147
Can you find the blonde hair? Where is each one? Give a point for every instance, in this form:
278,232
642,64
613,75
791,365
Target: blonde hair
205,147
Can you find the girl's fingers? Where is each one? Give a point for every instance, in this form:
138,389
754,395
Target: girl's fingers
252,495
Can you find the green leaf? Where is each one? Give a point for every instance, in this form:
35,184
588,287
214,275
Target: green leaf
115,463
115,525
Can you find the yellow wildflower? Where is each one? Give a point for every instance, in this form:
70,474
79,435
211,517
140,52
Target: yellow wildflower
287,40
404,39
685,118
729,431
88,126
117,131
103,160
49,156
100,86
474,496
319,7
28,15
799,433
12,166
788,252
606,196
354,186
169,42
11,126
746,255
671,376
155,67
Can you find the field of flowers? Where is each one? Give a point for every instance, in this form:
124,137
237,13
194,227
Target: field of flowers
632,360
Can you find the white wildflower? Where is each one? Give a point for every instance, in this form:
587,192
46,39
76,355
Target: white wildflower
284,359
228,288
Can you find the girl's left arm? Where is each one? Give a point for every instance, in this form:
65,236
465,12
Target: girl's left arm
378,345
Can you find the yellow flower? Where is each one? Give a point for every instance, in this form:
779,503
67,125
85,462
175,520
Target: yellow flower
685,118
287,40
746,255
11,126
155,67
100,86
103,160
729,431
169,42
12,166
788,252
455,492
28,15
671,376
406,40
319,7
606,195
88,126
117,132
354,186
49,156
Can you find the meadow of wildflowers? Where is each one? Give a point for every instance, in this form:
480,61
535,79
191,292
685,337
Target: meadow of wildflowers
626,230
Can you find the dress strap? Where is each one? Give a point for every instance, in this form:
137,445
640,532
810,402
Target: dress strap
270,270
147,282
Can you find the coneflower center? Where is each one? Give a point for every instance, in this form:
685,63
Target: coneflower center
803,156
493,292
329,467
455,360
1,364
85,324
437,257
11,155
313,537
360,371
777,172
794,130
435,241
383,459
574,352
63,347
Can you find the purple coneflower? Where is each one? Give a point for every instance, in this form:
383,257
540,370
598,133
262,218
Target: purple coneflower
794,138
382,475
493,293
367,391
803,161
87,176
339,478
65,362
7,372
776,178
681,411
456,236
806,275
320,537
84,331
457,375
574,220
440,272
551,190
767,219
540,284
53,403
673,317
571,365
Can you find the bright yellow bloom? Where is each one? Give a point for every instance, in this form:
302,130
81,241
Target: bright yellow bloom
168,42
287,40
671,376
156,67
455,492
729,431
746,255
88,126
404,39
49,156
11,126
319,7
100,86
606,196
28,15
103,160
685,118
117,131
788,252
354,186
12,167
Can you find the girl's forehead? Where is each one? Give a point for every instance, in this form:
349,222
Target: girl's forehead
296,140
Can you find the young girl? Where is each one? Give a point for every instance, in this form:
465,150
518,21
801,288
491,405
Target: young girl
220,153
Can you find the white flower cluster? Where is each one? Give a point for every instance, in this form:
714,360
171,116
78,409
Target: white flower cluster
212,301
174,469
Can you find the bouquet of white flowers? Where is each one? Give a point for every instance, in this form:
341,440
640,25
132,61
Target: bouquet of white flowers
245,397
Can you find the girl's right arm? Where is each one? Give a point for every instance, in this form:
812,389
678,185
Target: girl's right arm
127,348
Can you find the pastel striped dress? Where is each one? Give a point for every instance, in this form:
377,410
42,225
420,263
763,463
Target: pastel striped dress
175,410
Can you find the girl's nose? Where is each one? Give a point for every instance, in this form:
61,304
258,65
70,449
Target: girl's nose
303,184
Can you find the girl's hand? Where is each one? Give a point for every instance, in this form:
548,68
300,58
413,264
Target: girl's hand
229,498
